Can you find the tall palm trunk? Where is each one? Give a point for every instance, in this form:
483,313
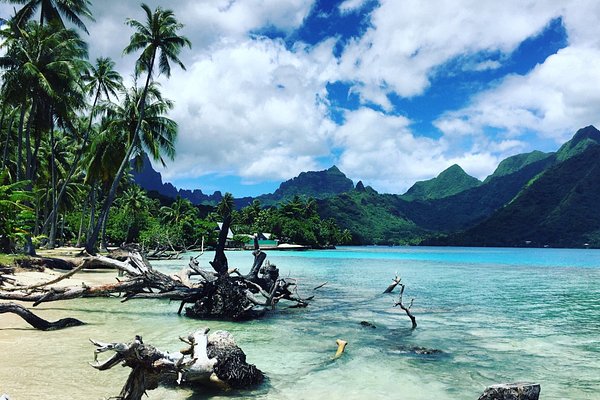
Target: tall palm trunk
76,160
103,244
90,245
29,155
85,204
20,141
52,236
8,135
91,223
2,121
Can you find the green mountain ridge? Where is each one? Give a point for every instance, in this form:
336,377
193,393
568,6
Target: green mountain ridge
372,218
394,219
515,163
317,184
583,138
559,209
449,182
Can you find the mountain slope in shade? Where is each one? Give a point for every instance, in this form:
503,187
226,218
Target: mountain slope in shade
372,218
450,182
151,181
559,209
472,206
517,162
317,184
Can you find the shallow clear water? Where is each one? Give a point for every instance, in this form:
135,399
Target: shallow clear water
497,315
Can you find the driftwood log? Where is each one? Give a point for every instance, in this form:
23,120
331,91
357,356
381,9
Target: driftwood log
210,360
35,321
219,294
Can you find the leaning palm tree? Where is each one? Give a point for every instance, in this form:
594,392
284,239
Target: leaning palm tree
156,38
156,138
53,10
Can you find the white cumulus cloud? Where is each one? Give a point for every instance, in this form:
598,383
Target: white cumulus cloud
254,109
408,39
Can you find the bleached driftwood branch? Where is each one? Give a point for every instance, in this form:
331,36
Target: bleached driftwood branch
397,282
220,294
210,360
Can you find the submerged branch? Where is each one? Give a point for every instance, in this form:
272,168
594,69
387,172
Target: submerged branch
35,321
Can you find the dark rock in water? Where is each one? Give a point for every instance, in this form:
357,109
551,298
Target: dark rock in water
425,351
367,324
512,391
231,366
420,351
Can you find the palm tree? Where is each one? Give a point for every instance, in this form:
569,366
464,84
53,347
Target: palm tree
134,199
158,37
177,212
101,79
45,62
51,10
156,137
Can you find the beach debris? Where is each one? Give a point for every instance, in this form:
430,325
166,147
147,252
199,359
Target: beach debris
4,272
220,294
38,322
213,360
341,347
512,391
39,263
367,324
397,282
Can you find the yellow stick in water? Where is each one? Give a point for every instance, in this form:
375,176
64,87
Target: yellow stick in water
341,347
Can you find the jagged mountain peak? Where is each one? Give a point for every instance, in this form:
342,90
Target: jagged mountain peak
317,184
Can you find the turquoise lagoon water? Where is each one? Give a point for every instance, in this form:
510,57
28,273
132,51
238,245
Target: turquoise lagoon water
496,315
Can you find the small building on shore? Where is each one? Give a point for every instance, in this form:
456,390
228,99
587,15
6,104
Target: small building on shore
265,241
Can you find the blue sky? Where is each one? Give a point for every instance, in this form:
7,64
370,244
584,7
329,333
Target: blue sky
390,91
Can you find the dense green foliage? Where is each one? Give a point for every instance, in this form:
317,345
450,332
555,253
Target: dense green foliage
295,221
69,128
450,182
15,216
